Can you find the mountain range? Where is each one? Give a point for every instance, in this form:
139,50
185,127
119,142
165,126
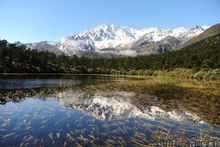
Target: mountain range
118,40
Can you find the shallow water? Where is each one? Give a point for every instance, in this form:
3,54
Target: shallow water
107,111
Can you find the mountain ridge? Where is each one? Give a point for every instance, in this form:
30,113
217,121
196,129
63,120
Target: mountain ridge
124,40
211,31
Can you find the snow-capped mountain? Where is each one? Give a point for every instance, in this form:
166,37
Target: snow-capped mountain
109,38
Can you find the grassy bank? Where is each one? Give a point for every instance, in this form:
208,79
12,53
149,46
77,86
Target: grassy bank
177,72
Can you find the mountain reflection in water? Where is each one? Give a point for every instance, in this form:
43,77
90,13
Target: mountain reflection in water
119,105
110,112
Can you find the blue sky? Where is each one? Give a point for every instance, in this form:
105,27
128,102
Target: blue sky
37,20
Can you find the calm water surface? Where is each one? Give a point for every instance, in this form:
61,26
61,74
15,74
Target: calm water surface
106,111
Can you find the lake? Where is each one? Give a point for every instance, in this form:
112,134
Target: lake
107,111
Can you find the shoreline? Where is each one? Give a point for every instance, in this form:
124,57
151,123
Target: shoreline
154,74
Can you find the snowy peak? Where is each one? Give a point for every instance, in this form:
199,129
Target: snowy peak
196,30
110,36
